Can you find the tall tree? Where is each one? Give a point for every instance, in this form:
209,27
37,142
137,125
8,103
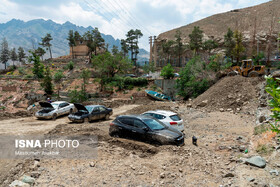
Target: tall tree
124,47
38,67
58,76
196,39
115,50
77,36
71,41
167,49
99,42
14,56
209,45
40,52
238,48
85,76
46,42
21,54
47,81
4,55
229,43
132,40
178,46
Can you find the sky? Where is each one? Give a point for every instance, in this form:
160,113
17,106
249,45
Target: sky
117,17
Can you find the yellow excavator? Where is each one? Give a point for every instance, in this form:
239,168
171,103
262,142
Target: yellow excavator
247,69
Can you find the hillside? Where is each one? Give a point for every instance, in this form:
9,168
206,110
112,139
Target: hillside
245,20
29,34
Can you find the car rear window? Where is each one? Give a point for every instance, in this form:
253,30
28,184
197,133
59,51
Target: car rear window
175,118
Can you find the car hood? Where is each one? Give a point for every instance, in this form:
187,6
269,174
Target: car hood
45,105
172,133
80,107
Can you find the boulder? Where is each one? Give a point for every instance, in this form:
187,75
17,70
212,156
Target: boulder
203,103
257,161
28,179
18,183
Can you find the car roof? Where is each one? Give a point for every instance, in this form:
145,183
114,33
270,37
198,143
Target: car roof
94,105
162,112
135,116
59,102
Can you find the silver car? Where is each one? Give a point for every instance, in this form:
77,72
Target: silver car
55,109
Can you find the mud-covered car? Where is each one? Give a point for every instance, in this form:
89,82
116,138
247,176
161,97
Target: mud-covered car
145,128
90,113
54,109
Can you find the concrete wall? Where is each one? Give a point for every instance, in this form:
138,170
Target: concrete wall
168,86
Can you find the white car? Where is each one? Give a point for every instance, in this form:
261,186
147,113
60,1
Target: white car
54,109
169,118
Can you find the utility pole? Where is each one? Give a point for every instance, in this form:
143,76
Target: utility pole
155,51
151,48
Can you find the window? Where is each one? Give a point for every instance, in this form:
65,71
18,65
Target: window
139,124
154,124
175,118
101,108
96,109
126,121
158,116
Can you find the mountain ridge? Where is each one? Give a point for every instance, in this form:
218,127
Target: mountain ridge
28,34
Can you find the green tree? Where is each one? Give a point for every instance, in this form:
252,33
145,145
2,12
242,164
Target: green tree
21,54
115,50
124,47
58,77
14,56
40,52
77,36
229,44
86,74
98,40
46,42
209,45
149,67
71,40
192,81
4,53
272,87
47,81
167,72
167,48
132,40
38,67
196,39
238,48
178,46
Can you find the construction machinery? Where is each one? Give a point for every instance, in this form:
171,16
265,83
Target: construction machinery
247,69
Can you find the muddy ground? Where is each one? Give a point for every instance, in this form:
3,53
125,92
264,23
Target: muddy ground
123,162
223,132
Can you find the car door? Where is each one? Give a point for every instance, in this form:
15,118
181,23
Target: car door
95,114
60,110
126,127
103,112
66,108
138,130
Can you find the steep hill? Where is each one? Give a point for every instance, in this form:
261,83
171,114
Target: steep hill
257,18
29,34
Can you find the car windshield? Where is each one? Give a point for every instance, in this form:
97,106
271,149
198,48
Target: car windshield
154,124
89,108
54,105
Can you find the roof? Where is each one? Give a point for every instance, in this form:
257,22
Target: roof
162,112
59,102
137,116
94,105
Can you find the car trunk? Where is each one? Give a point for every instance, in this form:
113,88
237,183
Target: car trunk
81,110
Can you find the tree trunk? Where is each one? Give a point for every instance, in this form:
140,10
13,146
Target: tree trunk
5,65
50,52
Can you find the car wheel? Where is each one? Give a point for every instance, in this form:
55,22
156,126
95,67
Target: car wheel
114,134
107,116
54,116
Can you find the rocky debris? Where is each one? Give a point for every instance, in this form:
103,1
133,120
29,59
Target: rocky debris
203,103
18,183
276,74
228,175
275,171
28,179
92,164
162,175
257,161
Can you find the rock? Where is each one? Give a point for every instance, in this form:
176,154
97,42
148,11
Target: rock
203,103
189,105
251,179
18,183
222,110
92,164
28,179
242,148
262,119
132,167
228,175
162,175
141,173
275,171
35,174
257,161
239,138
180,170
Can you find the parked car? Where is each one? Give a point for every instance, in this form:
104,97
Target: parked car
147,76
169,118
130,75
54,109
90,113
145,128
176,75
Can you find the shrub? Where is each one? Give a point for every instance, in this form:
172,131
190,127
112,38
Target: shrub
21,71
264,149
77,96
167,72
70,65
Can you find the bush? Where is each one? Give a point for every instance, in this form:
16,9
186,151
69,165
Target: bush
193,80
77,96
167,72
21,71
264,149
70,65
